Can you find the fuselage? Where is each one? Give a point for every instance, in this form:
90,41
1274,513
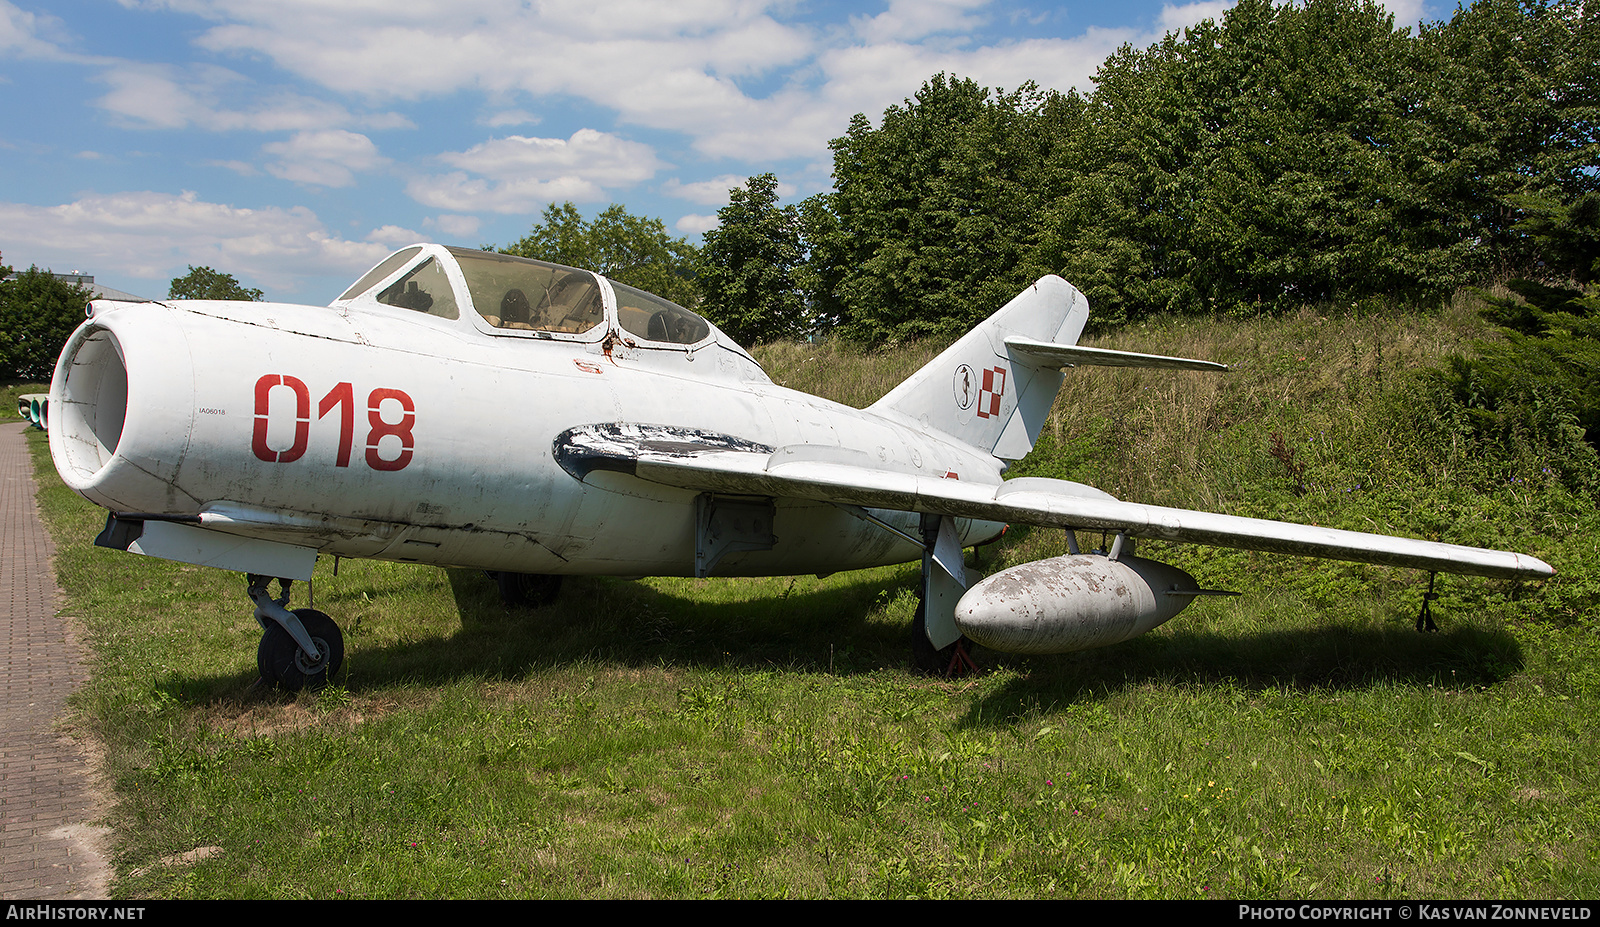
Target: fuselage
363,429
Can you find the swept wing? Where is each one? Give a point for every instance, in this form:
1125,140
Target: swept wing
832,475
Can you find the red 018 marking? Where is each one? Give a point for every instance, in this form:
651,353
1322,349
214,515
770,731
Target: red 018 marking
343,398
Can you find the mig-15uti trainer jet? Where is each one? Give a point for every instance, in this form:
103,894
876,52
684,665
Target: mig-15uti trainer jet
470,409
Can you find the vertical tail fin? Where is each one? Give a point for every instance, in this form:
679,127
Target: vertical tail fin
985,395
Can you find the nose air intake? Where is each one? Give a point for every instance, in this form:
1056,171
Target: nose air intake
122,410
90,405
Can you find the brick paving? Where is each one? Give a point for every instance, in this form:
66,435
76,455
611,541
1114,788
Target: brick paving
50,847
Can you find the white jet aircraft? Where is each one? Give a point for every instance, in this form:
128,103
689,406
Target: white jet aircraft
470,409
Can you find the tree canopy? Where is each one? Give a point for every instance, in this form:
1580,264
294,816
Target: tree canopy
933,213
205,283
38,312
1540,380
1282,155
750,264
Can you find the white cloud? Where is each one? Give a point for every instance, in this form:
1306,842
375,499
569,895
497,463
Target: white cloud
908,20
394,236
520,174
149,96
33,35
154,236
1179,18
665,65
159,96
692,224
713,192
511,117
601,156
242,168
327,158
592,19
459,228
428,47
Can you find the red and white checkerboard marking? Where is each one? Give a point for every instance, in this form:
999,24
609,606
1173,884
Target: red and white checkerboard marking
994,387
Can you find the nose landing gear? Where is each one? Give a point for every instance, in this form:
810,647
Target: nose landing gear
298,648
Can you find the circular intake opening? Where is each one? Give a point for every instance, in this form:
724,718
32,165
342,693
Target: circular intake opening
93,405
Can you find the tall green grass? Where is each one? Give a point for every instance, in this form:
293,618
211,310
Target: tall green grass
767,738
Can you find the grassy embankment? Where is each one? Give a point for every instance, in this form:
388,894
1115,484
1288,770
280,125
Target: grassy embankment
762,738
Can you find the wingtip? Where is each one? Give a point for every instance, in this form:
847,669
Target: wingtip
1535,568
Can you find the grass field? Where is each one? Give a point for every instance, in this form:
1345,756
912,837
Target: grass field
766,738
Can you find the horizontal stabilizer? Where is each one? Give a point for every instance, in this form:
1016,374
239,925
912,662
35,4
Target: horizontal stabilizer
1044,354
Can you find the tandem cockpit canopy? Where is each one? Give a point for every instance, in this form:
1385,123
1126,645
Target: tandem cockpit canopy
517,294
513,294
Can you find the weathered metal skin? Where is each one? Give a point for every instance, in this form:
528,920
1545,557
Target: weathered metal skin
151,423
1075,602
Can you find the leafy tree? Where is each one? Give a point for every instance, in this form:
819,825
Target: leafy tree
1117,228
1255,163
38,312
1281,155
205,283
627,248
1511,114
748,266
933,213
1545,371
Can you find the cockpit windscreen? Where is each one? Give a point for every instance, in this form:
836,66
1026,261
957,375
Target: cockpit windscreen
655,319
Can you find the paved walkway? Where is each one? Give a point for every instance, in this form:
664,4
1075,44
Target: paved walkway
48,841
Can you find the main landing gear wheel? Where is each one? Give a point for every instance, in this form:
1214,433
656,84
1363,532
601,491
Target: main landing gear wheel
527,590
281,661
951,662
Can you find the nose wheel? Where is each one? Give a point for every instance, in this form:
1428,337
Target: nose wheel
282,662
298,648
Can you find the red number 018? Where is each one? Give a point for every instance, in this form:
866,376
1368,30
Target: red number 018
343,398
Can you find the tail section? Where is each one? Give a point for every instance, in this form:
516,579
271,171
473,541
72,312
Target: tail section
986,394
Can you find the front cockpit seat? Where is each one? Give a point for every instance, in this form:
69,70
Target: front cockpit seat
515,311
656,330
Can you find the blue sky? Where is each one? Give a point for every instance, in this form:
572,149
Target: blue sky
294,143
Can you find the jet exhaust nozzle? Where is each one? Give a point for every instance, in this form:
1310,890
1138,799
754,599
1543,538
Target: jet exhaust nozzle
1075,602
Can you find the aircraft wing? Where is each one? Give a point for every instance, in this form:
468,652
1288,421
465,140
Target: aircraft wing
714,463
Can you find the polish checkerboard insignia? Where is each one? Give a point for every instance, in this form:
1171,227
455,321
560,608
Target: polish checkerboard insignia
994,389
